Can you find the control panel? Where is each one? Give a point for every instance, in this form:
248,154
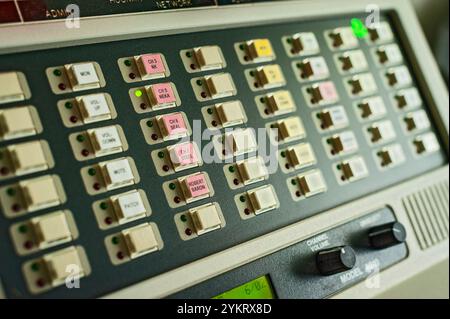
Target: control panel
124,160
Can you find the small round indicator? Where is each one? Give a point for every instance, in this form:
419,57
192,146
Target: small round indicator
23,229
199,82
172,186
231,169
103,205
68,105
161,154
57,72
183,218
242,198
115,240
80,138
127,62
210,111
138,93
92,171
35,266
149,123
11,191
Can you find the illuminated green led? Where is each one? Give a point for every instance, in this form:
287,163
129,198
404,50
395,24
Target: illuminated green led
138,93
358,27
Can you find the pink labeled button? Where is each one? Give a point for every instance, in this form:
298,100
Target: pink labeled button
328,91
174,124
153,64
197,185
163,94
183,155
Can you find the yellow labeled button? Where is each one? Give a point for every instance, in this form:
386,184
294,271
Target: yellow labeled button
280,102
270,76
260,50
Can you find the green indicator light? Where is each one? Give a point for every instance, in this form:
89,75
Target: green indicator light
172,186
283,154
80,138
35,267
115,240
149,123
329,141
299,65
127,62
57,72
23,229
338,167
358,27
293,182
210,111
242,198
138,93
199,82
92,171
189,54
231,169
161,154
183,218
11,191
103,205
241,47
68,105
262,100
289,40
252,73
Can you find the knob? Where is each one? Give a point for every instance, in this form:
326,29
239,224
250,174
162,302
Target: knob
387,235
335,260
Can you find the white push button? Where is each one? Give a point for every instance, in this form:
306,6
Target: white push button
291,129
372,107
117,173
311,183
10,88
354,169
343,38
263,199
252,170
398,77
28,157
129,206
195,187
241,141
301,155
17,122
220,85
209,57
426,144
381,33
305,43
57,265
106,140
83,76
408,99
140,240
270,76
51,229
40,193
230,113
94,108
417,121
205,219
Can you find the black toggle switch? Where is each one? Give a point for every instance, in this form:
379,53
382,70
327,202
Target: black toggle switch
387,235
335,260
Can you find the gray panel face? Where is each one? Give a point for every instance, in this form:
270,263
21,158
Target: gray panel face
293,272
105,277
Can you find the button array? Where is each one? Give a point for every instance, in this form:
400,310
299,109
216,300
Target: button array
31,196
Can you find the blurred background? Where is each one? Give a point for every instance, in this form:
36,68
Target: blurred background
433,15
